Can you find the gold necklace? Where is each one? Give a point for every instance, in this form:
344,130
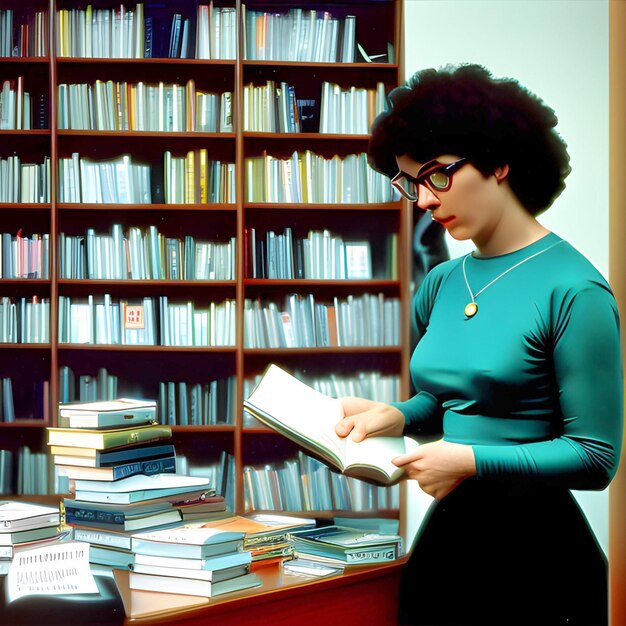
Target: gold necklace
471,308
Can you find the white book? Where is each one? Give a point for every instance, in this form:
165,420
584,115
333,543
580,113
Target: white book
190,587
309,417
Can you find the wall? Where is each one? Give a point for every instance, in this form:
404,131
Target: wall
559,50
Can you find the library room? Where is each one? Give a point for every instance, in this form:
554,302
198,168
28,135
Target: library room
284,335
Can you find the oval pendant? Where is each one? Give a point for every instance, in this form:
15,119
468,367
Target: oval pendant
471,309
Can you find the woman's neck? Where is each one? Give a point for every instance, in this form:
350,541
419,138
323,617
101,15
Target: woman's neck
517,229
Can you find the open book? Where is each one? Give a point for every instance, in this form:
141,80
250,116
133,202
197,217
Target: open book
308,417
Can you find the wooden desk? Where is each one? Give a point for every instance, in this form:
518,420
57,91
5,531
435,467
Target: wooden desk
361,597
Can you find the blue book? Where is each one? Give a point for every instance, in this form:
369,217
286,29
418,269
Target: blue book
147,51
165,465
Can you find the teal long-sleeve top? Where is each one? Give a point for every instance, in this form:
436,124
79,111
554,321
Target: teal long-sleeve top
533,382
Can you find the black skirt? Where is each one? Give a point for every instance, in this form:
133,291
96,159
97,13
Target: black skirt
492,553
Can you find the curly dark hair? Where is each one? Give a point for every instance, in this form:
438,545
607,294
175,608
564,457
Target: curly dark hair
463,110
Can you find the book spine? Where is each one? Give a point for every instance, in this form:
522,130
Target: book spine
90,516
155,466
372,555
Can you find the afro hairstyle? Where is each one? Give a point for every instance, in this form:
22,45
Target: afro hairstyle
462,110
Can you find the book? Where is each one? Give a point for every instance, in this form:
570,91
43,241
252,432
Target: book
107,414
187,542
119,520
348,545
34,534
180,572
140,487
190,586
17,516
262,530
92,457
194,566
308,417
155,466
152,603
106,439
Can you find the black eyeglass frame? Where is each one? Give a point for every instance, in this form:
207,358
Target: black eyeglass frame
424,177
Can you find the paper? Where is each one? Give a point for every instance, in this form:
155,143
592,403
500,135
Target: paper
50,571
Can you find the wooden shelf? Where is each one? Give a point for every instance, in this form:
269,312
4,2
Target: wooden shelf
145,369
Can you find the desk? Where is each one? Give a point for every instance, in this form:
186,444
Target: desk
366,596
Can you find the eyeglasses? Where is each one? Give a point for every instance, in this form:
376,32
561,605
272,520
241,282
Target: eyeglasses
437,176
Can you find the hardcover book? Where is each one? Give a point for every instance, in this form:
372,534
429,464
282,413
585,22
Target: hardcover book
348,545
16,516
187,542
107,413
119,520
106,439
154,466
91,457
308,418
190,586
193,566
141,487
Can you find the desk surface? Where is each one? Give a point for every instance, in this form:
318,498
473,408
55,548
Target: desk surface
335,599
360,596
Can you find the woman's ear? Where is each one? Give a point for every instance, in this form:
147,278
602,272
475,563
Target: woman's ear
501,172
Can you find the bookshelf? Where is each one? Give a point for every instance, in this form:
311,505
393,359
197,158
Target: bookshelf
194,178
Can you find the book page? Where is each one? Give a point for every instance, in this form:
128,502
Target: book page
284,400
378,452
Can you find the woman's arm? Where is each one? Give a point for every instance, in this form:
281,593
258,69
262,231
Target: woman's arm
588,379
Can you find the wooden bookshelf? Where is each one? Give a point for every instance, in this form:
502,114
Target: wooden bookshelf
140,368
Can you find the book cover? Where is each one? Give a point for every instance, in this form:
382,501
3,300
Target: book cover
16,516
187,542
89,457
141,487
10,538
191,587
101,440
212,564
350,545
116,472
308,418
152,603
107,414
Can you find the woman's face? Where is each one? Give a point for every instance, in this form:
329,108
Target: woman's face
470,208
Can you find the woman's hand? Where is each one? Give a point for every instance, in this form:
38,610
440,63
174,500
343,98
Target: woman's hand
439,467
366,418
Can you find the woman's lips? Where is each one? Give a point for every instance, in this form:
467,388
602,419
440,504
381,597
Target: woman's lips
445,220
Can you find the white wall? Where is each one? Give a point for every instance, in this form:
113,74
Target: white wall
559,50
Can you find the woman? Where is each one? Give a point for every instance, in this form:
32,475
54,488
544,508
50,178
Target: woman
519,359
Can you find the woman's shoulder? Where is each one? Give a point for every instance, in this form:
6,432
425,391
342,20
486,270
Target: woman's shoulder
573,270
440,272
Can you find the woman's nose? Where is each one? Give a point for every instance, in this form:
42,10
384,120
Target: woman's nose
426,199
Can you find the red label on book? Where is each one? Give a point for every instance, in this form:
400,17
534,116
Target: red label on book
133,316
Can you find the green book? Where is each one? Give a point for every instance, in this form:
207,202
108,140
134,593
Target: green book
106,439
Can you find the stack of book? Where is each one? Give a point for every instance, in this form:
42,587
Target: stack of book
192,561
343,545
122,476
26,525
266,537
